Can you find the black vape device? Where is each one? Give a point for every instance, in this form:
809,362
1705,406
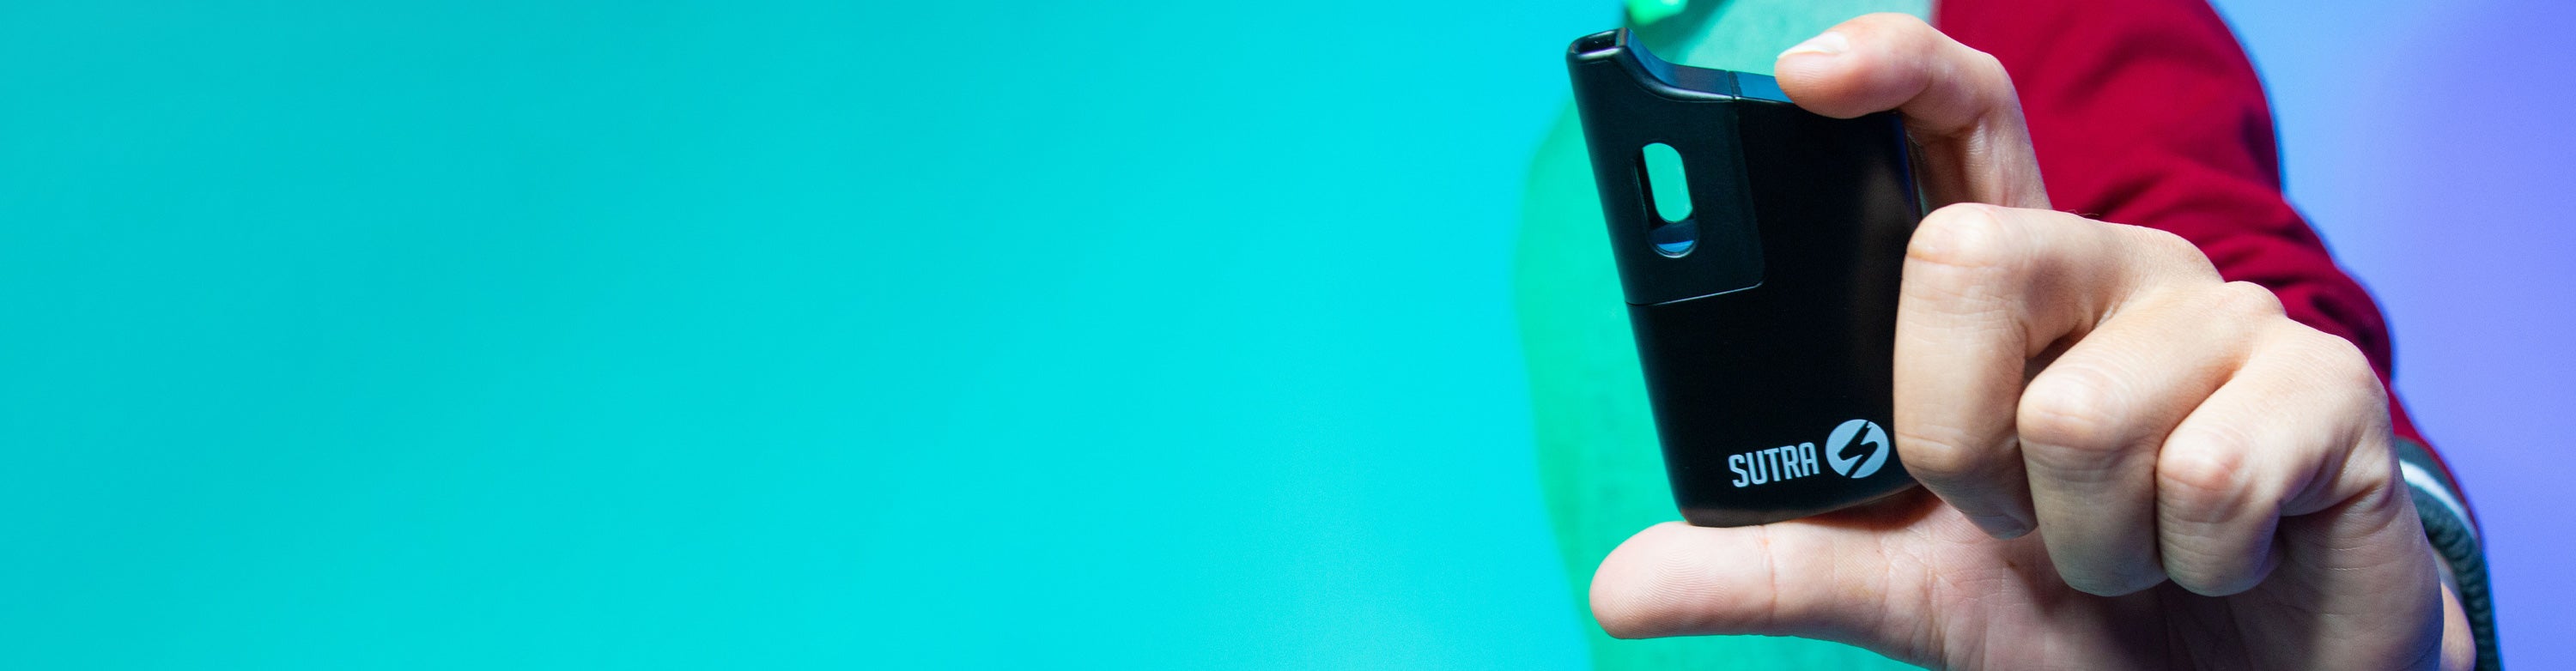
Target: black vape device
1761,273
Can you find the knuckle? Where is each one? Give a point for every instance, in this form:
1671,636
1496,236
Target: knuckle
2246,298
2176,250
1987,63
2071,406
2213,537
2162,240
2199,475
2338,366
2345,360
1965,235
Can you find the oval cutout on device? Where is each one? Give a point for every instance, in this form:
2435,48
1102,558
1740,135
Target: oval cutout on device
1668,194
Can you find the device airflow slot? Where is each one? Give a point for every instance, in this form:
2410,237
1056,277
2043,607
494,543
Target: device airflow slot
1596,42
1667,194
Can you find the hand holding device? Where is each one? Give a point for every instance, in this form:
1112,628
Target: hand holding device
2137,464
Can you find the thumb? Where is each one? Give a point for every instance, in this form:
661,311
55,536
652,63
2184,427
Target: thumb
1957,102
1858,581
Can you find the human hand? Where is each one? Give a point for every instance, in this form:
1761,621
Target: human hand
2137,464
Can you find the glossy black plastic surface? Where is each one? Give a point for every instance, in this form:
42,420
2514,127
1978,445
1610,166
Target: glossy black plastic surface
1768,347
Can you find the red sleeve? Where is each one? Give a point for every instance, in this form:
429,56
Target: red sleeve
2147,112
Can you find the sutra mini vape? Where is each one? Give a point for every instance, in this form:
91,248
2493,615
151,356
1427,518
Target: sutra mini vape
1760,247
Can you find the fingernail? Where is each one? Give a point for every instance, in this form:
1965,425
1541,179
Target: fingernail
2001,526
1829,44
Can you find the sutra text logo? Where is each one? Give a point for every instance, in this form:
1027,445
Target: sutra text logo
1856,449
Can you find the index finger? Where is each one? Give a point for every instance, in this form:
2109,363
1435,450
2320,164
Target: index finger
1986,291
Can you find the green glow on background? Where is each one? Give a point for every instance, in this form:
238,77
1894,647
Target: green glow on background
1650,11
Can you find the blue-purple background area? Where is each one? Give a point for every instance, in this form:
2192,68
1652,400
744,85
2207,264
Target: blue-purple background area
2431,143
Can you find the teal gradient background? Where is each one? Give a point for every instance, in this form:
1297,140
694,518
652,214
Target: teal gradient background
916,334
770,335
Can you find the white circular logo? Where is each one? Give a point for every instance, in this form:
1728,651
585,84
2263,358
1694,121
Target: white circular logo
1867,442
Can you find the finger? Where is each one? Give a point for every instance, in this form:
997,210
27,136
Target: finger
1957,102
1986,290
2092,423
1841,582
2459,643
2256,451
1678,580
2363,555
2347,538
